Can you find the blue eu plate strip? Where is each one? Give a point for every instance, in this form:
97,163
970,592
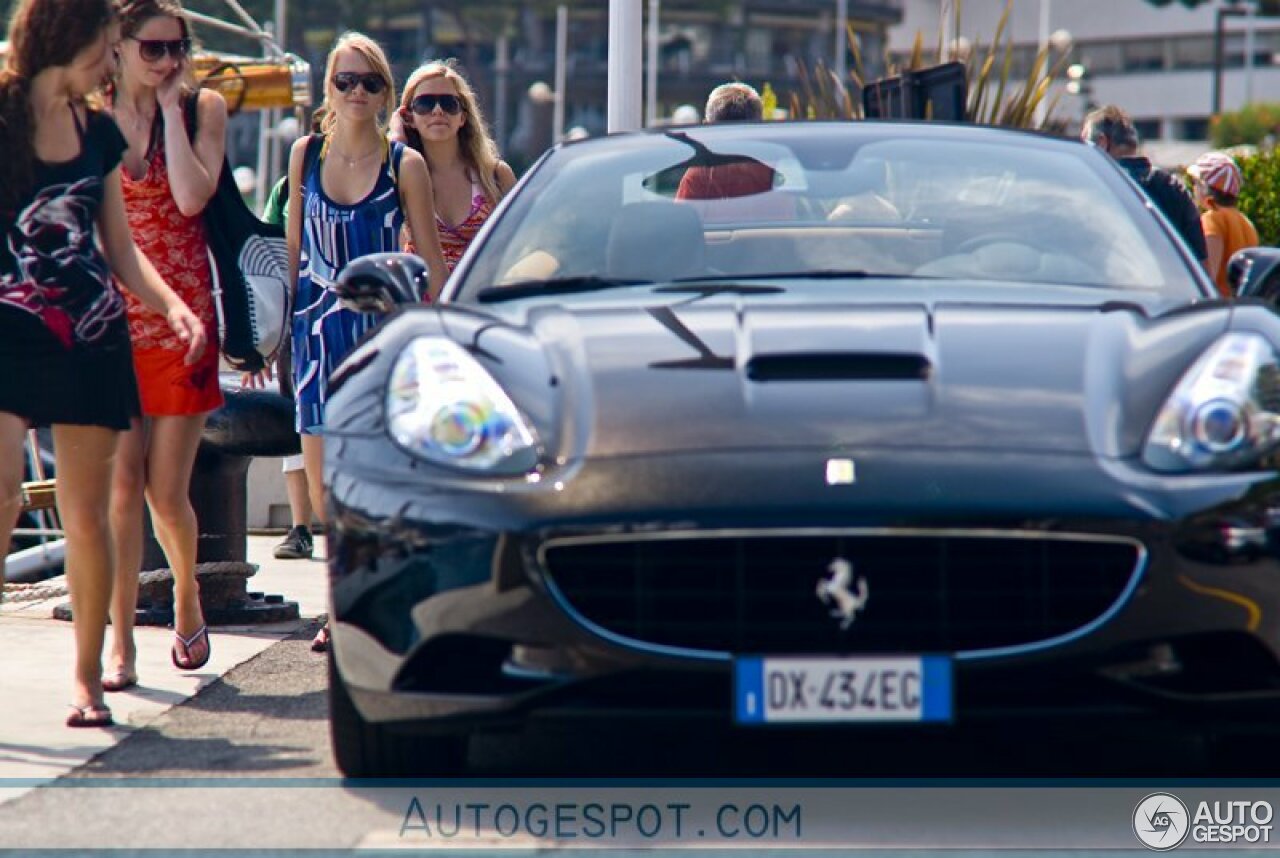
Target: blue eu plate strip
938,693
749,684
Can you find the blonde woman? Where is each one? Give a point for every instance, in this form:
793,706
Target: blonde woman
358,192
440,118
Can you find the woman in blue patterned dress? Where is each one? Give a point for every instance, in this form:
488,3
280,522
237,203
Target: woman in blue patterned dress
357,194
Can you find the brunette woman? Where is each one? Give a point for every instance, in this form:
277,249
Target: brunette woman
168,177
357,193
64,339
440,118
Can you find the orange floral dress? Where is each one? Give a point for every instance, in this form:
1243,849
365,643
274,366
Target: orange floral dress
177,247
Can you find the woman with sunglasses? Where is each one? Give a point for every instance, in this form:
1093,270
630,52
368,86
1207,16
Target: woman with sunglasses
168,178
440,118
358,192
64,339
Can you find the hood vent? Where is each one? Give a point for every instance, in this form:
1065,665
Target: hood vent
838,366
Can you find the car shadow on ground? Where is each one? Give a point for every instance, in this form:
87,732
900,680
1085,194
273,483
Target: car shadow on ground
1058,750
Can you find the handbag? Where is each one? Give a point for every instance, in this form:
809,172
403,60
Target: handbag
249,260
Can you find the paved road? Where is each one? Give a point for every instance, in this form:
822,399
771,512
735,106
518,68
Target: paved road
266,719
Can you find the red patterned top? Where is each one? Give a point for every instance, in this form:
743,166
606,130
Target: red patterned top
454,239
176,246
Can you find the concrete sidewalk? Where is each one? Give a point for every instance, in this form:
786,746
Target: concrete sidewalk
36,660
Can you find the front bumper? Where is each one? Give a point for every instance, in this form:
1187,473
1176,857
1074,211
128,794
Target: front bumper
444,615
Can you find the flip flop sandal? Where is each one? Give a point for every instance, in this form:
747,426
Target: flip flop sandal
182,660
119,681
320,643
93,715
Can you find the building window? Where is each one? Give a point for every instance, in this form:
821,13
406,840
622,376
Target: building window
1148,129
1143,56
1101,57
759,49
1195,52
1191,128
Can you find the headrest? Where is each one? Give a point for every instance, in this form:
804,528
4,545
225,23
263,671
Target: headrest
655,241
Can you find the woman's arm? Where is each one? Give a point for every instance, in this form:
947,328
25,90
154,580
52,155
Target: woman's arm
505,177
1214,245
293,210
136,272
420,212
193,170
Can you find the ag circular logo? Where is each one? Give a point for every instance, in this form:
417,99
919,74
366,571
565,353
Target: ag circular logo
1161,821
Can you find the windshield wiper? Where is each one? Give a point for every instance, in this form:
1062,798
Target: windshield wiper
561,286
815,274
706,290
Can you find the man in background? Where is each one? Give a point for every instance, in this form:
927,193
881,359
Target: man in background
1111,130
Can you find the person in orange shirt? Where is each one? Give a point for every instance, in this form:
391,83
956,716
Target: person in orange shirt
1226,228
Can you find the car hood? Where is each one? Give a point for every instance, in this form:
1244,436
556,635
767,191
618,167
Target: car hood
697,376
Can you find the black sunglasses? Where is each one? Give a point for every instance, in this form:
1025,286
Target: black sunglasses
153,50
371,82
424,104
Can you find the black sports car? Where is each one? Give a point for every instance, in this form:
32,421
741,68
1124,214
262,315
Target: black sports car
803,423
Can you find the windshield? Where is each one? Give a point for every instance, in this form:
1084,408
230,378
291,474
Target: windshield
757,201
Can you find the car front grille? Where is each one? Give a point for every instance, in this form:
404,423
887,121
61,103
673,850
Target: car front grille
926,591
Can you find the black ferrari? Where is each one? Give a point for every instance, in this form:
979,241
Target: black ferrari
831,424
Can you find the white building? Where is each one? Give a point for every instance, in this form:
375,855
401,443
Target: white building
1156,62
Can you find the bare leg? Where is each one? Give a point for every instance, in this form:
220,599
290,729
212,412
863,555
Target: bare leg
313,459
171,455
13,431
85,456
127,485
295,483
313,462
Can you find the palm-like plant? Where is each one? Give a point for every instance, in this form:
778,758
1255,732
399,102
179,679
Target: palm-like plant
993,97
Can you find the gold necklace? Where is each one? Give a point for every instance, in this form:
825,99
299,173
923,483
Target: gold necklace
351,162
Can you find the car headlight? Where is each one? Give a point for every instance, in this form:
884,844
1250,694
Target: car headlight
443,406
1225,411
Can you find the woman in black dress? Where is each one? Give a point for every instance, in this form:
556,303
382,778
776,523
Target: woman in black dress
64,341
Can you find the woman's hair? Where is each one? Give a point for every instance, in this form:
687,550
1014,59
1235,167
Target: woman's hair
478,149
1221,198
133,15
43,34
373,54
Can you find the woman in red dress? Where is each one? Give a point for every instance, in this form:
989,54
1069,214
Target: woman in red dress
168,179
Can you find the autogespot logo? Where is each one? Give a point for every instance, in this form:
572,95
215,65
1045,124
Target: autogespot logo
1161,822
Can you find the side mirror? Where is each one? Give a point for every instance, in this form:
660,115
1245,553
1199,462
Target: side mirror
1255,273
380,282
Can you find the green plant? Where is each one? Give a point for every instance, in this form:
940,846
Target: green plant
1260,197
1252,123
993,98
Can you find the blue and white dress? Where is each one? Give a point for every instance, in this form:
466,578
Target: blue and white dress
332,235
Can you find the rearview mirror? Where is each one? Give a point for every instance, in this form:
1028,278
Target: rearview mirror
380,282
1255,273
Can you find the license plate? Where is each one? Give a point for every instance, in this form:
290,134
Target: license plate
809,690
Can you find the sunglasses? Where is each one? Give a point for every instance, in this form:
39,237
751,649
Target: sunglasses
153,50
371,83
425,104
